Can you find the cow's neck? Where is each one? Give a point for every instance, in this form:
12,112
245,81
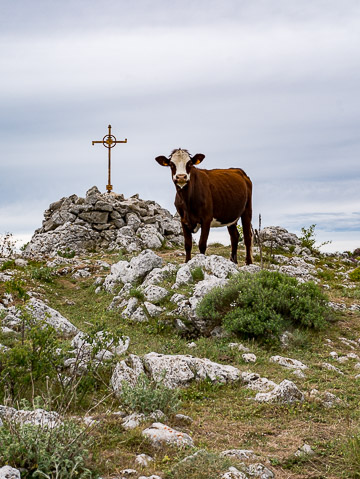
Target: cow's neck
187,193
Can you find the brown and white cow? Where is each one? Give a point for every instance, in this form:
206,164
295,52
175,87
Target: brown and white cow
210,198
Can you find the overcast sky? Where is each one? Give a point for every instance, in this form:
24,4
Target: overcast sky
272,87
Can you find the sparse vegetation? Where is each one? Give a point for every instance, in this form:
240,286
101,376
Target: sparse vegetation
58,453
148,396
225,415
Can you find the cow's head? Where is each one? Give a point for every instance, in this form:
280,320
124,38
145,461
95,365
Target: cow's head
181,164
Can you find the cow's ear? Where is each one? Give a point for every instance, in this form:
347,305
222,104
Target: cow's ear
197,159
163,161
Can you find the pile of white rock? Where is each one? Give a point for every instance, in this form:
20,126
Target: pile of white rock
104,220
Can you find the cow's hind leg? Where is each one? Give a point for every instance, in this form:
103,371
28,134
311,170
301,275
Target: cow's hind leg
187,241
247,231
205,228
234,236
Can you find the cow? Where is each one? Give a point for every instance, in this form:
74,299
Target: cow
210,198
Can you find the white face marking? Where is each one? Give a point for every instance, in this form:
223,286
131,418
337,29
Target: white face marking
180,159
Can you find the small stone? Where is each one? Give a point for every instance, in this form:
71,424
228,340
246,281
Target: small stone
330,367
288,362
233,473
304,450
128,472
143,460
285,392
8,472
249,358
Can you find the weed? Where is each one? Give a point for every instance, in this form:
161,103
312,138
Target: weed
137,293
9,264
43,273
61,452
67,253
308,239
16,287
148,396
241,233
197,274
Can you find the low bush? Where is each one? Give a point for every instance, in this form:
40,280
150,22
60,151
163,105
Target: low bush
197,274
354,275
58,453
148,396
42,274
263,305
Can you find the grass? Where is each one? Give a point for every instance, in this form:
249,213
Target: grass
225,416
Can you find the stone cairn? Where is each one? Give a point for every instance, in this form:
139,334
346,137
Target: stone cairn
104,221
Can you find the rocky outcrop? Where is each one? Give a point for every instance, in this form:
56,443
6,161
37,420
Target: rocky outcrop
101,221
172,370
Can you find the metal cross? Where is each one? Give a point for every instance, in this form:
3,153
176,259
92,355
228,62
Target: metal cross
109,141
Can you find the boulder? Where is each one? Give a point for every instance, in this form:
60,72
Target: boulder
180,370
42,312
286,392
133,271
159,434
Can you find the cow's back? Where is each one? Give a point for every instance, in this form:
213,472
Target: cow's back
231,191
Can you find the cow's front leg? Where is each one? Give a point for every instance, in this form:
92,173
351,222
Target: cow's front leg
205,228
187,241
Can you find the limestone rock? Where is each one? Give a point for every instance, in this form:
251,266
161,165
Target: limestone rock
8,472
38,417
42,312
182,369
160,434
241,454
254,382
288,362
101,221
234,473
129,371
143,460
135,270
285,392
155,293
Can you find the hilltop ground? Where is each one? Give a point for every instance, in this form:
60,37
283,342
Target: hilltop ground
224,416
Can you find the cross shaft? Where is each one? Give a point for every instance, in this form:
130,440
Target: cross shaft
109,141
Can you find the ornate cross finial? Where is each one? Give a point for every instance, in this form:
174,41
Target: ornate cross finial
109,141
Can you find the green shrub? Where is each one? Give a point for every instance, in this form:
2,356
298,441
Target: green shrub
197,274
148,396
354,275
263,305
203,465
42,274
31,360
58,453
16,287
137,293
